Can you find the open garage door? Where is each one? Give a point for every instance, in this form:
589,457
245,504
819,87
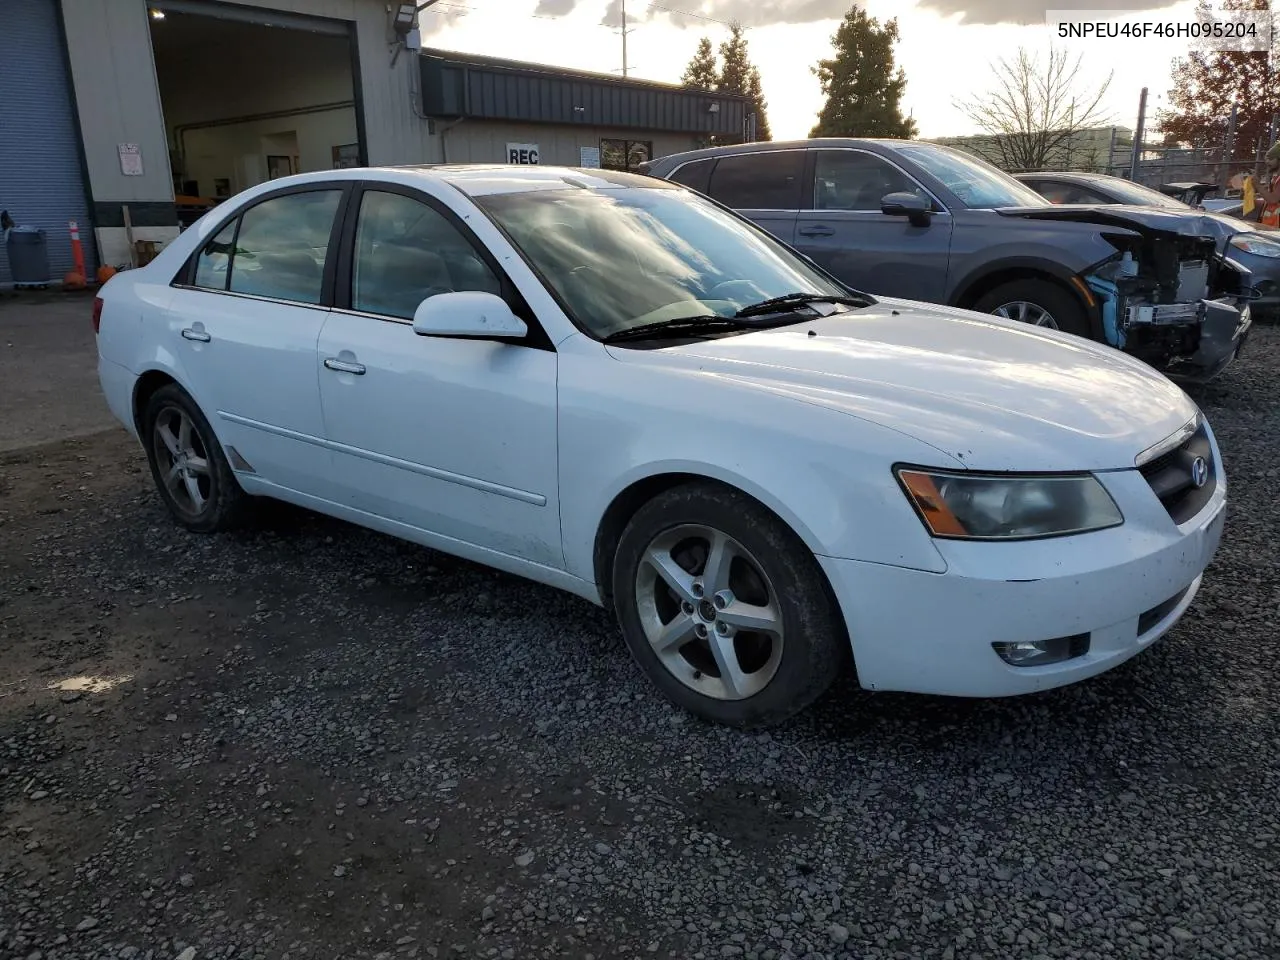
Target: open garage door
252,94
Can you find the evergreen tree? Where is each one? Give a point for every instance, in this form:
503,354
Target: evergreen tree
701,72
862,85
756,92
740,77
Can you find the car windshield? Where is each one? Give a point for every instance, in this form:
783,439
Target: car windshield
1126,191
978,184
623,258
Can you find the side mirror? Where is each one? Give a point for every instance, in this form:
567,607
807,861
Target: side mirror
914,207
467,314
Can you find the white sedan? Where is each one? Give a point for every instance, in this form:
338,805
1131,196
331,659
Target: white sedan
609,384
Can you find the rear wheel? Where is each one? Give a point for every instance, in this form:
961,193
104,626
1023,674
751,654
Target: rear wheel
1037,302
724,608
188,465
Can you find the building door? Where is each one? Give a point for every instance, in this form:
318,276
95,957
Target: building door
41,171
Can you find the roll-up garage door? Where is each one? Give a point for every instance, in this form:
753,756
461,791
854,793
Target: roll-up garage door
41,177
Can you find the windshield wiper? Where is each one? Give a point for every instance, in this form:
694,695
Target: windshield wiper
792,300
681,325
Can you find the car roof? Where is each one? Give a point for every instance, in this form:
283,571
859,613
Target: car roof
764,146
479,179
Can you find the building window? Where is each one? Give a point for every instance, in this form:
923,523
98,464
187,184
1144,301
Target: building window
625,154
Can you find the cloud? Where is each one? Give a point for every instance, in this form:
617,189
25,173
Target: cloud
435,19
554,8
1028,11
701,13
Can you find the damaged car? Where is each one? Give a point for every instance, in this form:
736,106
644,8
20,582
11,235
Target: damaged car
928,222
1249,244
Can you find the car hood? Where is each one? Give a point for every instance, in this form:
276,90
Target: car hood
994,394
1192,223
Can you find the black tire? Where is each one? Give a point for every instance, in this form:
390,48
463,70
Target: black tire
224,503
814,644
1068,313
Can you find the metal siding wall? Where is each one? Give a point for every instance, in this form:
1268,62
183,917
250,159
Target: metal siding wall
41,182
518,95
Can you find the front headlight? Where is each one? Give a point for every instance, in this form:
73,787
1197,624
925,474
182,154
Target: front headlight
974,506
1257,245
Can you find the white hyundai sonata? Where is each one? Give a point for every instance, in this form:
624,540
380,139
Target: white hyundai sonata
612,385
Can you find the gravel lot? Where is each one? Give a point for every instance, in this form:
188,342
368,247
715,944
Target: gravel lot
306,740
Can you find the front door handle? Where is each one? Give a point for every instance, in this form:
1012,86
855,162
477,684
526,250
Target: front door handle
190,333
344,366
816,231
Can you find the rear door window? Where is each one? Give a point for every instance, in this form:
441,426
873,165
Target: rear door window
282,245
696,175
759,181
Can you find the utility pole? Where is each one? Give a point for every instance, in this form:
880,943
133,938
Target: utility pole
1228,150
624,38
1137,136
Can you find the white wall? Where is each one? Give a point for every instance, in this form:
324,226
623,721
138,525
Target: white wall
214,152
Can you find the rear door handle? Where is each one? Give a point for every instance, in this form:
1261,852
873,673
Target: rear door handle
345,366
199,336
816,231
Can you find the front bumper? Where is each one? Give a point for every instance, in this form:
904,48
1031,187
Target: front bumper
1224,330
932,633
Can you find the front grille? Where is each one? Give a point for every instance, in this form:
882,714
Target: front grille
1172,478
1157,613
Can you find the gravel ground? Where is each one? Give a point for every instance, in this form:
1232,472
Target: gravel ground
306,740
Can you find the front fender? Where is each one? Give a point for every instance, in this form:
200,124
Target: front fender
826,474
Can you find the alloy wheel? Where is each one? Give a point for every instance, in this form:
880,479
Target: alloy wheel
183,461
709,612
1026,312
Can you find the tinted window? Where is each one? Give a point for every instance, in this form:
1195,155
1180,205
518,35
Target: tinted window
215,258
405,252
853,180
978,184
759,181
281,247
696,175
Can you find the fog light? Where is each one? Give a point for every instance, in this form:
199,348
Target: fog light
1039,653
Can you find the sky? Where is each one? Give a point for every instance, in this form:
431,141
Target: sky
947,47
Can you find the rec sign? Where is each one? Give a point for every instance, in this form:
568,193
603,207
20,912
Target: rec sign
523,153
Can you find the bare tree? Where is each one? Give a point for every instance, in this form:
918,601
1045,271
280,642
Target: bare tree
1035,108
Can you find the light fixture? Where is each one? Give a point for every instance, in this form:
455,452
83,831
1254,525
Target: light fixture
157,13
403,20
714,108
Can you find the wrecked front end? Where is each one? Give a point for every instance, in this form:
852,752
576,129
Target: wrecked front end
1173,301
1168,295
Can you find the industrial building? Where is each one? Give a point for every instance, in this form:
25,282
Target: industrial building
133,117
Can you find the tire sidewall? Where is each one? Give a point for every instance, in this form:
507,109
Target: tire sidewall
225,494
1067,312
812,639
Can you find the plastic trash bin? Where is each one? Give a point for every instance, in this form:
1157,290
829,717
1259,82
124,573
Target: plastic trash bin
28,256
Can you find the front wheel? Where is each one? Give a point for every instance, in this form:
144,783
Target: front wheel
1037,302
724,607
